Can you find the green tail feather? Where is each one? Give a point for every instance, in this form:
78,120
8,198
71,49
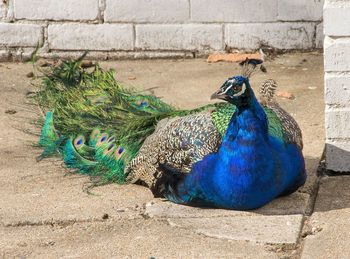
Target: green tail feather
83,149
107,157
73,159
48,137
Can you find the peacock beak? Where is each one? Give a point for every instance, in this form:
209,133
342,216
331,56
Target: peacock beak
218,95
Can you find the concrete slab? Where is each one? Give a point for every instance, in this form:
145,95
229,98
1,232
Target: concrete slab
328,228
262,229
289,205
277,223
121,239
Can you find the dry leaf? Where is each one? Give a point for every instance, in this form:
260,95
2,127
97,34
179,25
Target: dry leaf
30,74
285,94
232,57
87,64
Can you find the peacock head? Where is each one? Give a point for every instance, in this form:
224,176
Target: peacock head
235,90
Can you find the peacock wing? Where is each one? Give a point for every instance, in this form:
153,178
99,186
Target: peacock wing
177,143
282,125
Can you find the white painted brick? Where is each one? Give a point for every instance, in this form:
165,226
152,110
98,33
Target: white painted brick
337,54
319,36
10,16
147,11
4,55
90,37
56,9
337,18
277,35
234,10
337,123
337,89
2,10
338,155
115,55
300,10
20,35
179,37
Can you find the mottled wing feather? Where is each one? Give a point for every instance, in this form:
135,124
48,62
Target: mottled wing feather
291,130
177,143
278,118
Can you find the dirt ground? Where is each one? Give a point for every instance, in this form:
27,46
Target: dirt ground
45,212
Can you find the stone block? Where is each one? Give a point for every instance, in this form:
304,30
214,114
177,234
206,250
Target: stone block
20,35
337,122
179,37
56,10
234,11
300,10
3,10
147,11
337,54
277,35
337,18
337,91
319,36
90,37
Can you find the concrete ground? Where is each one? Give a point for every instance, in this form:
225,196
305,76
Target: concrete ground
45,212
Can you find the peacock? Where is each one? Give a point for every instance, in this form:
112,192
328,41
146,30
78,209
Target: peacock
123,135
252,165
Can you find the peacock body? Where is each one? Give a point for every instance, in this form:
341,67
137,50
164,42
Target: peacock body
120,135
252,165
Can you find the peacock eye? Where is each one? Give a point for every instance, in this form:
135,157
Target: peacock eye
111,139
111,147
79,141
119,152
237,88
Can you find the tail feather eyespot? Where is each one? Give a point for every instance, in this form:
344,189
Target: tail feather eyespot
142,103
110,149
103,139
111,139
119,152
79,141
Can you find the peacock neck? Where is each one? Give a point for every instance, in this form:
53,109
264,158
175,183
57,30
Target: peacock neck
248,124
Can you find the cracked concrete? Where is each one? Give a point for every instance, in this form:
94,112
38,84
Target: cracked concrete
46,212
327,230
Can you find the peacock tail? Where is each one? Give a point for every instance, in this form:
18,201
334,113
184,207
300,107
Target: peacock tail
93,122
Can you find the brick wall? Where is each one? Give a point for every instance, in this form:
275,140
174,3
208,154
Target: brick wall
337,81
155,28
